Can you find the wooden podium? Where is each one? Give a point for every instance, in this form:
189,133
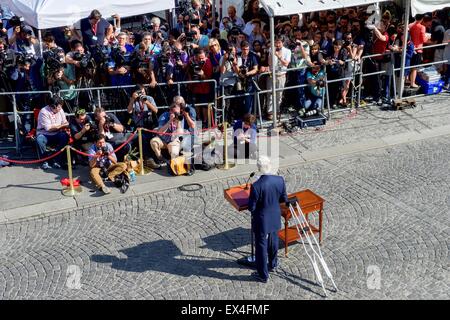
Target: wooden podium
309,202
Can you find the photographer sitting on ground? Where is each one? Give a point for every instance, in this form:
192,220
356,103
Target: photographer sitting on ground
103,161
315,92
172,125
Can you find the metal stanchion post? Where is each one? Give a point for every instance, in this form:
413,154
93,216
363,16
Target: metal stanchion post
226,165
142,170
16,126
328,97
71,190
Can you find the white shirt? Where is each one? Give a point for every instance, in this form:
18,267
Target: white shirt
286,56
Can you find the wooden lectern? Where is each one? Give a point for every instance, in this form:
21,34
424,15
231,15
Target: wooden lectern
309,202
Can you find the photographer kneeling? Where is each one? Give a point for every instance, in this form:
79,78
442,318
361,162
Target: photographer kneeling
172,125
109,125
83,130
103,161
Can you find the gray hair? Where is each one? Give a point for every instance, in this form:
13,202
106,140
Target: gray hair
264,165
156,20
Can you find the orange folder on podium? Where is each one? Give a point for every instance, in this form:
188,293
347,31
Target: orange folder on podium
238,197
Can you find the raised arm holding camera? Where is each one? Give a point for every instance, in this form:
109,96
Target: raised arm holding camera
141,108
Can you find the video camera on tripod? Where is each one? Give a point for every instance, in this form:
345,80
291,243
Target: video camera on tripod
53,60
23,58
7,60
85,59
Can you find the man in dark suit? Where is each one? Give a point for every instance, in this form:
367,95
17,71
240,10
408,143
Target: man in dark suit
266,194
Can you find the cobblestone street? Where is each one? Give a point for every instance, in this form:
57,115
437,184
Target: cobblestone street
386,210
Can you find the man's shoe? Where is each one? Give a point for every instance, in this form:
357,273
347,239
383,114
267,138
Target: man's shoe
269,116
275,268
46,166
152,164
105,190
257,277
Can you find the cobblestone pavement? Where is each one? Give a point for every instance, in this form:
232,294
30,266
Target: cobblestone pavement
372,123
386,214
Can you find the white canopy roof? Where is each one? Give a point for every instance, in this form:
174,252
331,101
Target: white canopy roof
423,6
43,14
287,7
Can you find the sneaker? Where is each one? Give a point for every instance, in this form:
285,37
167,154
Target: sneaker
46,166
105,190
257,277
301,112
56,165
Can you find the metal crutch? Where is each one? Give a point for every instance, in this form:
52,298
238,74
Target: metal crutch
304,231
319,254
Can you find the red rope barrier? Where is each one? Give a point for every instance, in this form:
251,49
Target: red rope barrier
118,148
34,161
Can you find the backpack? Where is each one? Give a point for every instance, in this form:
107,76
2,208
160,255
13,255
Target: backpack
179,167
122,181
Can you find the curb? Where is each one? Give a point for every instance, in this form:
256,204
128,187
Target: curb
61,205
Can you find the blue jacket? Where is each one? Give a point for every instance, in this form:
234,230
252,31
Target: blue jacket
266,194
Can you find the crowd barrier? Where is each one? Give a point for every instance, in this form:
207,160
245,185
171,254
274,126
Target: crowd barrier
358,73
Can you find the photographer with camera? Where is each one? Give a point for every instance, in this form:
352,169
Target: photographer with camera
103,162
83,131
79,60
200,40
119,65
233,20
142,66
247,64
141,108
109,125
51,129
228,80
200,68
175,137
315,91
176,69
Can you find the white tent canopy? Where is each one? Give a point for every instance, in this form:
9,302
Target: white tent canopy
44,14
423,6
288,7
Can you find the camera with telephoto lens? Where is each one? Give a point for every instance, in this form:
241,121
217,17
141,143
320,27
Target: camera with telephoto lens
105,151
179,116
231,57
109,121
190,36
243,70
92,125
141,97
118,56
53,60
197,69
320,83
83,58
7,59
23,58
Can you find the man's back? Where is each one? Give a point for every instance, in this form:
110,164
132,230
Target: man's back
266,194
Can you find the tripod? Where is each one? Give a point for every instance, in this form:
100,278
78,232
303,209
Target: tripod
84,82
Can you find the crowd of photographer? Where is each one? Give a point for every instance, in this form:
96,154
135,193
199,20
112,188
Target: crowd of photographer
235,52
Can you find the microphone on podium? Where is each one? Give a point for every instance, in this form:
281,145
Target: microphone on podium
251,176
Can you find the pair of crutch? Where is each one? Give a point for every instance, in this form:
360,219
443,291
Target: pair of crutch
304,229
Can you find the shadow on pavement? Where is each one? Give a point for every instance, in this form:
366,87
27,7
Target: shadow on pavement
164,256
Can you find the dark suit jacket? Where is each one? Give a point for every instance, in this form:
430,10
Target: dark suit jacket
266,194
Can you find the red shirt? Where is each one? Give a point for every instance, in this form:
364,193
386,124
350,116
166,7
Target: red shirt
418,36
204,88
380,46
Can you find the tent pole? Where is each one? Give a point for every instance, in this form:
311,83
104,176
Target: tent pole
41,53
272,49
213,8
405,44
